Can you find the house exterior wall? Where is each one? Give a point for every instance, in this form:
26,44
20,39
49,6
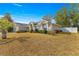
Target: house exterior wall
69,29
34,27
50,28
41,28
20,27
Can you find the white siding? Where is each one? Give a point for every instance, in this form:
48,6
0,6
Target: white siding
20,27
69,29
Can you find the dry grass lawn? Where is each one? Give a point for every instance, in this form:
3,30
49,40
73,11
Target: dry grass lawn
33,44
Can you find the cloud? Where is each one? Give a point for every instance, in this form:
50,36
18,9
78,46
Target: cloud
1,15
25,18
19,21
19,5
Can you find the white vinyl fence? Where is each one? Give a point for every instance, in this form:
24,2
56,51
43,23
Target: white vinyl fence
69,29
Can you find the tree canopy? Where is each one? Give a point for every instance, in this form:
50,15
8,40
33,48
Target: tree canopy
8,16
68,16
5,24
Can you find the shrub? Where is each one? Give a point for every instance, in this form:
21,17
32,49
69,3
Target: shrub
43,31
58,31
36,30
10,29
20,31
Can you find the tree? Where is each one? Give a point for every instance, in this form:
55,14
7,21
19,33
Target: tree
47,17
62,17
59,18
4,25
74,14
8,17
68,16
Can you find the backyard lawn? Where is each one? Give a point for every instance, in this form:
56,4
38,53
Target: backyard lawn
32,44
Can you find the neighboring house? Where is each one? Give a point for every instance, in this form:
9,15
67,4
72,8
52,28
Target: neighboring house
19,27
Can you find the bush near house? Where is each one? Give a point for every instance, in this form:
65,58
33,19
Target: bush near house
36,30
58,31
20,31
30,31
10,29
43,31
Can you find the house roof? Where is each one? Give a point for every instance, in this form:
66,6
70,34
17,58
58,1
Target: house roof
21,24
56,25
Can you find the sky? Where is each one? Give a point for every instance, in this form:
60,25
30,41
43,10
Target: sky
30,12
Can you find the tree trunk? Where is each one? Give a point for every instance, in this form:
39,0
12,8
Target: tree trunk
4,34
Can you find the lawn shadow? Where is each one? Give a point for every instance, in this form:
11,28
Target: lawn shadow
9,40
5,41
22,39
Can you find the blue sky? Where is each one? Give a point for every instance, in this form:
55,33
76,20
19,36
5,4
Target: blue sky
26,12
